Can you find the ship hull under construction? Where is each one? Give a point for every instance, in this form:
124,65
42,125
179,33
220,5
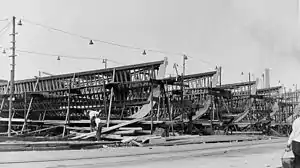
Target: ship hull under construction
141,95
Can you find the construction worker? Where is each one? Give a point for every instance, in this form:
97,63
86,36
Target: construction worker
98,128
92,116
294,142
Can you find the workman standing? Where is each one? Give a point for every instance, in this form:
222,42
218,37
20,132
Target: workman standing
294,142
95,123
92,116
99,128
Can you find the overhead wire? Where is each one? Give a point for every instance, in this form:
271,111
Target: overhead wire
81,36
4,29
201,60
3,20
110,43
102,41
66,56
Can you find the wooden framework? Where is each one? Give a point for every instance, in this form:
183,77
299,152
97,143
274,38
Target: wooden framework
68,96
136,91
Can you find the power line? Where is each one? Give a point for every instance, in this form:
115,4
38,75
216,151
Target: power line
112,43
109,43
3,20
101,41
115,62
80,36
66,56
201,60
4,29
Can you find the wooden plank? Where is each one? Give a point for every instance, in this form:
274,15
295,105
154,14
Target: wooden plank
111,98
67,118
110,128
131,128
79,128
44,129
241,116
29,107
275,132
61,122
3,100
124,132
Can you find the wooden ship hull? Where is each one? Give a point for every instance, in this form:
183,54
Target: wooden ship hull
141,98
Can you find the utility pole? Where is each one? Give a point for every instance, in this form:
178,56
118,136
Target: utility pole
220,76
151,104
184,58
182,85
104,61
250,100
242,75
12,74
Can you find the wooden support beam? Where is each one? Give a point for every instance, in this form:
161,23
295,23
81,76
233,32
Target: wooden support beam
3,100
88,135
156,64
111,98
29,107
124,132
44,129
67,119
151,103
104,94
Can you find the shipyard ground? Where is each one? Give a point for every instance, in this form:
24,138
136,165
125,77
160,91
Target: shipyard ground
254,154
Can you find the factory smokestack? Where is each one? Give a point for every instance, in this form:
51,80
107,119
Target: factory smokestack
267,78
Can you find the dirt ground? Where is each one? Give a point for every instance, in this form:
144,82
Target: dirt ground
244,155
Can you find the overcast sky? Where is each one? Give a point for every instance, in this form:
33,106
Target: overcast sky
239,35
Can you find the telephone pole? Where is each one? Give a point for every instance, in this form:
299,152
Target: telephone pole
220,76
12,73
184,58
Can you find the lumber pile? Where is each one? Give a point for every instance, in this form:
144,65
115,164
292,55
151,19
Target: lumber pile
112,128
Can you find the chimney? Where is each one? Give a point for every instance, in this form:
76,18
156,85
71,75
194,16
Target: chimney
267,78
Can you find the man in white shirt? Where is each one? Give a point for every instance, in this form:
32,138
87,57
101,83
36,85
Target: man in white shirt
98,128
294,142
95,123
93,115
